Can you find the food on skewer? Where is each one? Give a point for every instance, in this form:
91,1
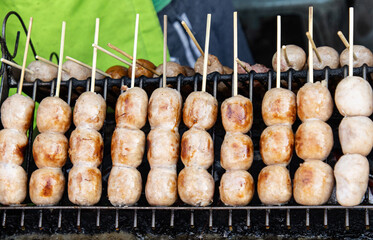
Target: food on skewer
77,71
12,145
214,66
363,56
117,72
189,71
41,70
292,57
245,67
227,70
142,71
313,183
173,70
329,58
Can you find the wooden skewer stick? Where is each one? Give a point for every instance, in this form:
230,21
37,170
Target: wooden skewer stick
93,76
59,75
131,58
135,51
286,55
207,42
345,42
278,70
235,55
164,50
242,65
25,57
351,40
10,63
87,66
50,63
111,54
311,45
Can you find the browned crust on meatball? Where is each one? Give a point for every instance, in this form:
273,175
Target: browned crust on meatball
140,70
117,71
237,114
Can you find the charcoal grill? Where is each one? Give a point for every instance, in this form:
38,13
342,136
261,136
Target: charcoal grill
290,219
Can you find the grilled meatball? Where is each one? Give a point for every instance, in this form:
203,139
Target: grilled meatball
279,107
237,114
12,146
296,56
314,101
314,140
356,135
86,146
117,72
17,111
13,184
90,111
140,70
172,70
274,185
131,108
351,175
214,66
200,110
53,115
85,185
236,188
50,150
196,186
47,186
197,148
189,71
77,71
313,183
124,186
127,147
277,144
228,70
42,71
354,97
163,147
363,56
329,58
237,151
161,186
165,108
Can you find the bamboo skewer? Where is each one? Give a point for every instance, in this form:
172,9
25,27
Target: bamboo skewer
235,55
25,57
87,66
131,58
351,40
207,42
111,54
286,55
135,51
59,74
50,63
278,70
164,50
311,45
242,65
10,63
93,78
345,42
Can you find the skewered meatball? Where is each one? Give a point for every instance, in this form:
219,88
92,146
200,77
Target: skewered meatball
77,71
158,154
13,187
140,70
161,186
189,71
90,111
12,146
53,115
329,58
237,114
236,188
117,72
42,71
296,56
363,54
214,66
200,110
313,183
237,151
172,70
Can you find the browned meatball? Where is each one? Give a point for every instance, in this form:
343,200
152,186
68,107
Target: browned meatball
43,71
12,146
189,71
77,71
13,184
214,66
172,70
227,70
363,56
329,58
90,111
237,151
163,147
165,108
237,114
86,145
296,56
117,72
277,144
200,110
131,108
47,186
197,148
161,186
50,150
140,70
236,188
17,111
279,107
314,101
54,115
